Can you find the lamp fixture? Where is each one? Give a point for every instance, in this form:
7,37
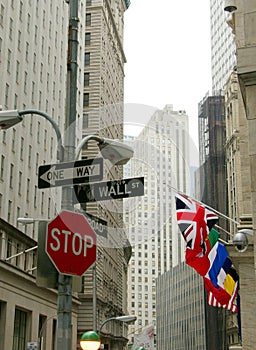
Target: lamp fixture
90,341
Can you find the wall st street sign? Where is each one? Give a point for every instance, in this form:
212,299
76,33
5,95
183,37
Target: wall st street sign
77,172
115,189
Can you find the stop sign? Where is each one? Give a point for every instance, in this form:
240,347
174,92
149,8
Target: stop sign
71,243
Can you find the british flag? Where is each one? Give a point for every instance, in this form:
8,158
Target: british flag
195,222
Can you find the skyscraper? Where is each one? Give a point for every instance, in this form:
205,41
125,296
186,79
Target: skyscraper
33,58
33,61
161,156
223,59
105,294
33,55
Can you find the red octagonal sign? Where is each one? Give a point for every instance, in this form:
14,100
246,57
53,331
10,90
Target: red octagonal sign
71,243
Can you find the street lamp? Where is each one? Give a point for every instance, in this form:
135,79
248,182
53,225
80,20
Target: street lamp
90,340
26,221
9,118
117,152
125,319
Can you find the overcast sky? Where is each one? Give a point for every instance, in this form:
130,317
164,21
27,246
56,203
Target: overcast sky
167,47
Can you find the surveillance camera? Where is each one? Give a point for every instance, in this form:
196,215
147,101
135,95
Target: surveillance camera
230,5
240,241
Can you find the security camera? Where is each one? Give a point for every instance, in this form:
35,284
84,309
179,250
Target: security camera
230,5
240,240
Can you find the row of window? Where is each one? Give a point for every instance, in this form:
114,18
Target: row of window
22,319
11,247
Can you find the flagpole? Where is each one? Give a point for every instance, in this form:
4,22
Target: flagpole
205,205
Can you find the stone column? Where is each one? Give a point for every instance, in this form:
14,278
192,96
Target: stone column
245,268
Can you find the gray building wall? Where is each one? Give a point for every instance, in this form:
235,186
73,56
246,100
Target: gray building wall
180,310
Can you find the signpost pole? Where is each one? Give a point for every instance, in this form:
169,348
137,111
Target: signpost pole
64,307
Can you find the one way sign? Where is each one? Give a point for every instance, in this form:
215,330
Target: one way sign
63,174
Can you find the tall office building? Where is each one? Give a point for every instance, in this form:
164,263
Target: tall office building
162,157
105,292
223,59
33,61
181,309
33,58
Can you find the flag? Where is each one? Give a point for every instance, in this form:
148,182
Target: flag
221,281
195,223
145,339
206,254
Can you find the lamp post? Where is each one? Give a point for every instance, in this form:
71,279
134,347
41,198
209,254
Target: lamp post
117,152
9,118
91,340
125,319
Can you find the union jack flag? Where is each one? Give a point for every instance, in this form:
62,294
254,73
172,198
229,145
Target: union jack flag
195,222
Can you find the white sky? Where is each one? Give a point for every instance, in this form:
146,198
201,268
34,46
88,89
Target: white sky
167,46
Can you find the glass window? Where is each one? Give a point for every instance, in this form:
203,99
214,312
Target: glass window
86,99
87,39
19,334
88,19
86,79
87,58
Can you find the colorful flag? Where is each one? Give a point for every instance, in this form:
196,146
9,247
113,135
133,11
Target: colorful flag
221,281
206,254
195,223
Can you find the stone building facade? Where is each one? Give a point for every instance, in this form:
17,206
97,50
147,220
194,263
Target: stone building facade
242,21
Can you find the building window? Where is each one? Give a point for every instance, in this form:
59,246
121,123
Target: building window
85,120
25,82
2,15
88,19
19,334
11,175
1,42
35,197
20,182
42,203
29,155
38,132
17,71
19,39
33,92
87,39
87,58
6,95
9,60
9,210
28,23
28,188
88,2
2,167
21,148
36,34
86,99
11,29
86,79
21,10
15,101
13,139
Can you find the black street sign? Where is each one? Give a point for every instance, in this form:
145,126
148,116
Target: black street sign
114,189
77,172
99,226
